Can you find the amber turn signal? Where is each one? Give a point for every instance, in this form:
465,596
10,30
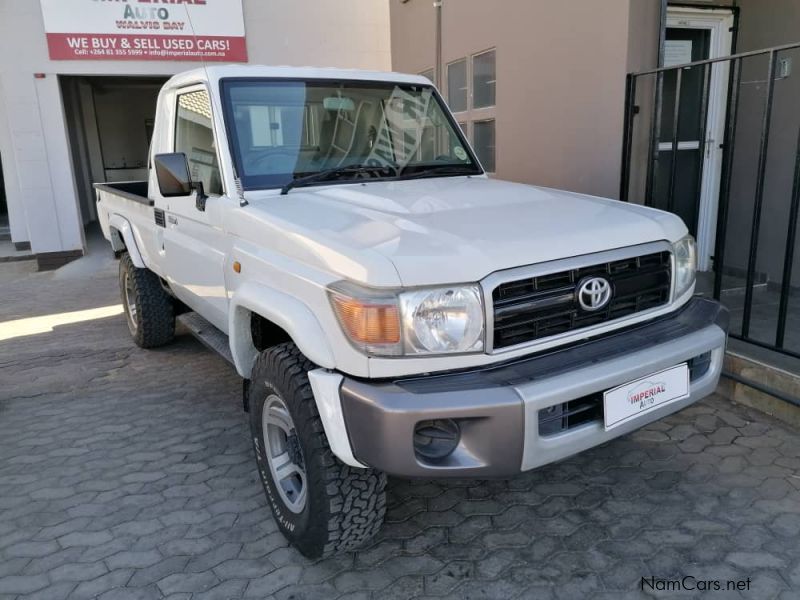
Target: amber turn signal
368,323
237,267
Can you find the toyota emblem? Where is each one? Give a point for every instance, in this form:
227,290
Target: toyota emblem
594,293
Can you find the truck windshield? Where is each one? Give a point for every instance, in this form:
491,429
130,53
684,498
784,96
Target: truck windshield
284,130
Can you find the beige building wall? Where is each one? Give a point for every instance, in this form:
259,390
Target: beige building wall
560,77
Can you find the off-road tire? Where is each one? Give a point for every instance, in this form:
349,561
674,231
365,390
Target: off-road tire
345,506
153,323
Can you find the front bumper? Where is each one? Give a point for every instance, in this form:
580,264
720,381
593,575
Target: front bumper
497,407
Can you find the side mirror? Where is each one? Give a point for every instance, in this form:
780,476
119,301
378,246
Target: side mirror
174,179
172,172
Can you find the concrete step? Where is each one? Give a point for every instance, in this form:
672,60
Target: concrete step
741,290
761,385
9,253
731,285
211,337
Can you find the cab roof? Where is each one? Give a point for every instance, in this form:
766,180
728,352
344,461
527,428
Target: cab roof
212,74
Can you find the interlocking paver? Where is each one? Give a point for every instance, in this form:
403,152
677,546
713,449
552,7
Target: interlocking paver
213,557
187,582
30,549
133,560
160,570
77,571
273,582
231,588
85,538
243,569
129,474
749,560
370,579
22,584
134,593
61,589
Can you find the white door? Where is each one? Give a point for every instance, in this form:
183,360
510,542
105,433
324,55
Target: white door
194,244
692,35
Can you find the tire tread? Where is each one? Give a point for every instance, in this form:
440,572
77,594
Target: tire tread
156,312
355,498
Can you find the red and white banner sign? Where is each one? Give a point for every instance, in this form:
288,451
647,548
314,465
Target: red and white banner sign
186,30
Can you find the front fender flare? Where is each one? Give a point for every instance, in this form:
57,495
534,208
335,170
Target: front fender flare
121,225
283,310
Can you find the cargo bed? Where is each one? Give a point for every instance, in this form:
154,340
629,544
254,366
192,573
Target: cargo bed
132,190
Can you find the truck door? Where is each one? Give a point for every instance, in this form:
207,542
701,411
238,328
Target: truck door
194,245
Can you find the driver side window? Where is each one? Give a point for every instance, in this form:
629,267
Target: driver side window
194,136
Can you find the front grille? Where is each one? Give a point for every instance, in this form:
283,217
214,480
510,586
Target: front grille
699,366
538,307
568,415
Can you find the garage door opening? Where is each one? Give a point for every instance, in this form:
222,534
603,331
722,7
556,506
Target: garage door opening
109,123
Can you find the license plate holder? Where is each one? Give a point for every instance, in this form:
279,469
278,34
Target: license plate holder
640,396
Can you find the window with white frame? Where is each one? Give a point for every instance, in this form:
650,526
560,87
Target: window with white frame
472,94
483,80
483,137
457,85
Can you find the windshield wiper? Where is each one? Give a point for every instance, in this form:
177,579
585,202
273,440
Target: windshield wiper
334,172
442,170
327,174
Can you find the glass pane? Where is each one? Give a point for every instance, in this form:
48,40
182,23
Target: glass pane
687,174
429,73
285,130
483,133
483,80
195,138
457,85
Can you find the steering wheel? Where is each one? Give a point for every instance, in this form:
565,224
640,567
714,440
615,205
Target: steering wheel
386,164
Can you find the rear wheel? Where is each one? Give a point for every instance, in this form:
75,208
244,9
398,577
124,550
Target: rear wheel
321,505
148,308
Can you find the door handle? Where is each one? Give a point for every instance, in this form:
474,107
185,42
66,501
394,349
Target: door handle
172,220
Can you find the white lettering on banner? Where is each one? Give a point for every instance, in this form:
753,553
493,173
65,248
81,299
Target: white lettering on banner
78,42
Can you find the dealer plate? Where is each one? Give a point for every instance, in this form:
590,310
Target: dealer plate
635,398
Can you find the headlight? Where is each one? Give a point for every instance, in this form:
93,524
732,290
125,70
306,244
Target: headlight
442,320
422,321
685,253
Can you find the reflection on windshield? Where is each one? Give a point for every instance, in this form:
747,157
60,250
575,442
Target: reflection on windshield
283,130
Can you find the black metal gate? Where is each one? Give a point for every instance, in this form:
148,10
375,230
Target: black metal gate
652,173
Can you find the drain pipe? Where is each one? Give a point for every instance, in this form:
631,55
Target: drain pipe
662,32
438,71
764,389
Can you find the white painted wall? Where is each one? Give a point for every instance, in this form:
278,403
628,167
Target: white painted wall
33,138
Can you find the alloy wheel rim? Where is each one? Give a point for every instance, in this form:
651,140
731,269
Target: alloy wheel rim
284,456
130,303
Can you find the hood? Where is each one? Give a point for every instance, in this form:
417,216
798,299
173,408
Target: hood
461,229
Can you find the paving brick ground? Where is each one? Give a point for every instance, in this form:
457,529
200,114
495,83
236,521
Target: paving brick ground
128,474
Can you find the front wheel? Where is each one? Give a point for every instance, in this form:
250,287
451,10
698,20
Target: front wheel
321,505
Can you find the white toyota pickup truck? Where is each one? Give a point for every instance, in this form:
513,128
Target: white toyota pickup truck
391,309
